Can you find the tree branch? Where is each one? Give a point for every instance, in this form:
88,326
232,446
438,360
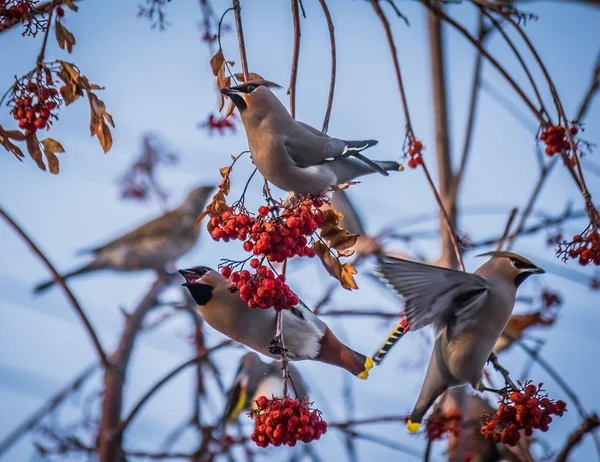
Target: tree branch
295,58
61,282
240,33
590,93
588,425
333,65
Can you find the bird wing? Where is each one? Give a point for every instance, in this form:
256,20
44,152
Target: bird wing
307,146
433,294
169,224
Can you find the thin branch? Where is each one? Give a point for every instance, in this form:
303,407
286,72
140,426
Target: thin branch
507,227
295,58
61,282
475,90
30,423
590,93
333,65
158,385
41,55
361,313
240,34
390,39
439,12
588,425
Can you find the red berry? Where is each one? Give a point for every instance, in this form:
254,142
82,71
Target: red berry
226,271
60,12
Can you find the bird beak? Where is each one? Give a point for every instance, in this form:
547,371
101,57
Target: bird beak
536,271
189,276
229,91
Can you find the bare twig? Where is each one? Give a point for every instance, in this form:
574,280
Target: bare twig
509,223
30,423
590,93
361,313
240,34
158,385
42,53
114,378
498,367
61,282
588,425
295,57
333,65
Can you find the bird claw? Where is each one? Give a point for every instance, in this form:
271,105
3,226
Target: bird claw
275,348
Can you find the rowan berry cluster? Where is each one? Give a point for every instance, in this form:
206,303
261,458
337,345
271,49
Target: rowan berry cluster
584,247
556,139
34,105
415,153
441,423
261,289
277,236
218,123
523,409
285,421
21,11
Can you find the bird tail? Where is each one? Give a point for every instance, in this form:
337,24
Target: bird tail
46,285
392,339
354,149
336,353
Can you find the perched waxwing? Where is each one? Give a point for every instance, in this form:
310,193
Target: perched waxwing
304,334
468,310
153,245
292,155
256,378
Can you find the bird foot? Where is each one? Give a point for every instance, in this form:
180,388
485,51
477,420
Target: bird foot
275,348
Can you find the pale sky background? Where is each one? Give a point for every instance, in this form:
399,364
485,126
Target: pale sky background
162,82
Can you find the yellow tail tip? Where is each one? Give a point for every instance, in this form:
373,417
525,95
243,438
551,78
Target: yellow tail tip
364,375
413,427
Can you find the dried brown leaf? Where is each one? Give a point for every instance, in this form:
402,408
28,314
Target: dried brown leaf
71,5
347,277
329,230
331,218
33,147
5,136
51,147
217,62
343,240
64,37
105,137
230,109
200,218
72,93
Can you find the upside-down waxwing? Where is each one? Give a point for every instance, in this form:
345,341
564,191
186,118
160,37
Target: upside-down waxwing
292,155
306,337
153,245
468,310
256,378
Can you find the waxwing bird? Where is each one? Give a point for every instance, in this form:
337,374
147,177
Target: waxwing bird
306,337
292,155
468,310
153,245
256,378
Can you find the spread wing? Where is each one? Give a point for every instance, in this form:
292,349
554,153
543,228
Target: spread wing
434,295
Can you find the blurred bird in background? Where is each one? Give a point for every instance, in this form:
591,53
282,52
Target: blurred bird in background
256,378
153,245
306,336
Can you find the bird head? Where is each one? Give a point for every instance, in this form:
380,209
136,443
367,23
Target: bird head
200,281
197,197
510,265
253,94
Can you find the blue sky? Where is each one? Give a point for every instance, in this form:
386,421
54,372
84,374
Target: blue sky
162,82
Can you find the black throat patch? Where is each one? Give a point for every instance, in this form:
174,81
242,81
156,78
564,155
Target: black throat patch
521,277
239,102
201,293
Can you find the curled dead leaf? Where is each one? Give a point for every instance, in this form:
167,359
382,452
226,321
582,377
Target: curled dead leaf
70,5
347,277
51,147
5,141
217,61
332,217
64,37
33,147
343,240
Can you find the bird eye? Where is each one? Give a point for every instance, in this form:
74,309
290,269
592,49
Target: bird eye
518,263
250,88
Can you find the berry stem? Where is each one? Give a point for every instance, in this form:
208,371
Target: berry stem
41,55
